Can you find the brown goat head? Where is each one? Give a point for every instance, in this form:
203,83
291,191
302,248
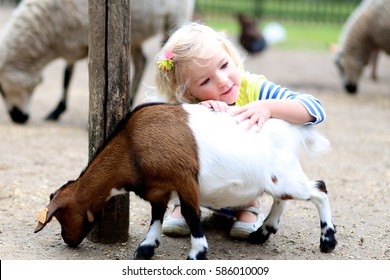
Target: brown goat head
75,218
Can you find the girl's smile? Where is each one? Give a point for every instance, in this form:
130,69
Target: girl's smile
228,91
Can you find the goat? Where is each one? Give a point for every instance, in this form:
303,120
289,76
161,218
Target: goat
202,156
41,31
250,37
364,34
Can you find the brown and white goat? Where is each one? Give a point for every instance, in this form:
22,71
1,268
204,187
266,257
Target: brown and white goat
206,158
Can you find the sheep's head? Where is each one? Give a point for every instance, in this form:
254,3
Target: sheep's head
17,91
350,70
76,221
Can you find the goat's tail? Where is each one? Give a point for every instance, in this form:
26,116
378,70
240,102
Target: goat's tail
314,143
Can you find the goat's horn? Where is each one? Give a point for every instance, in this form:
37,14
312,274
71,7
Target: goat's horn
43,217
39,227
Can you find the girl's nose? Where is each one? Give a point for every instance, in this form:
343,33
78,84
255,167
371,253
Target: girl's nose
222,79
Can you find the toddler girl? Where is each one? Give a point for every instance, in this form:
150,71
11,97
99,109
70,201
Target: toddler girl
200,65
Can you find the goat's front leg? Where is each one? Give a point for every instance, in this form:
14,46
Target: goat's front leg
146,248
199,245
271,223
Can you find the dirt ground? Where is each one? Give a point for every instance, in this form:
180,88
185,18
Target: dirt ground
36,158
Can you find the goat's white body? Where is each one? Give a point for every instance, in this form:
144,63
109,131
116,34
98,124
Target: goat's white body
237,165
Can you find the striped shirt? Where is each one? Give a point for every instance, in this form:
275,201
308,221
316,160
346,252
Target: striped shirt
257,87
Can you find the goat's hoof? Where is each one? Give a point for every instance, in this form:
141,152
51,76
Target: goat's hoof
202,255
259,237
145,252
328,245
328,241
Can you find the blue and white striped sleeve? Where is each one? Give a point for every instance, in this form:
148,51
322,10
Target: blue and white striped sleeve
270,90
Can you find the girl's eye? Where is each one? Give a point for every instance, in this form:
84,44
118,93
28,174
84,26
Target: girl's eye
205,82
225,65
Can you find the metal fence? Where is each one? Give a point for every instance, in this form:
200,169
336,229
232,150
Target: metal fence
310,11
317,11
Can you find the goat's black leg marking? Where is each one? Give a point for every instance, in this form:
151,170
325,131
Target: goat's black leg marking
199,245
61,107
327,240
261,235
192,219
146,248
271,223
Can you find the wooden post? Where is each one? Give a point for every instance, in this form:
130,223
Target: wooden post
109,101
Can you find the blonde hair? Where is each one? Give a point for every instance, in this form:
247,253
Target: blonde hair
187,45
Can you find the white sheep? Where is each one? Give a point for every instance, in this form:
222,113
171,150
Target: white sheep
41,31
37,33
365,33
205,158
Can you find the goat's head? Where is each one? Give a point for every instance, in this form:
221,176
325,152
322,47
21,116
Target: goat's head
72,212
16,90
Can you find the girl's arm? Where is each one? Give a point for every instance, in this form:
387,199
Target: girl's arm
261,110
277,102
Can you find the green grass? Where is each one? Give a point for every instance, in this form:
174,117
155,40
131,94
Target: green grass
310,36
307,36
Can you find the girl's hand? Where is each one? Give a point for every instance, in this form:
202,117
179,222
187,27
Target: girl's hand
217,106
257,112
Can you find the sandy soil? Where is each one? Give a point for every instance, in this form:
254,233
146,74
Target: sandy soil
36,158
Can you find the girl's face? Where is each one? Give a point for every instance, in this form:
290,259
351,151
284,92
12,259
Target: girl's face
218,79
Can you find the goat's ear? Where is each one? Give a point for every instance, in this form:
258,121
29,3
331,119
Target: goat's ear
44,217
90,216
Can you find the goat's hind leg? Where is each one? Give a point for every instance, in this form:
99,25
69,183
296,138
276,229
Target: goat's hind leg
146,248
271,223
327,240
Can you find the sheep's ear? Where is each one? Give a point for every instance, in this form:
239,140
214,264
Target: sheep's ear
90,216
44,217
